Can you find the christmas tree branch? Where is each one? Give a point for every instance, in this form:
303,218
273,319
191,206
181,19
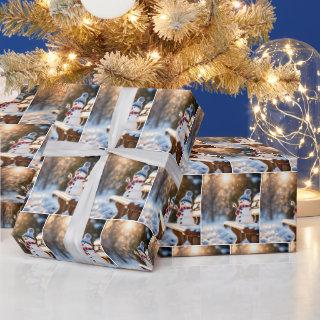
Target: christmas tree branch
21,17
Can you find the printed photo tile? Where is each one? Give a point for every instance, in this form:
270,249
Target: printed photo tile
138,115
183,214
278,207
123,189
20,143
28,232
59,185
129,244
15,185
97,127
163,130
67,106
230,208
12,111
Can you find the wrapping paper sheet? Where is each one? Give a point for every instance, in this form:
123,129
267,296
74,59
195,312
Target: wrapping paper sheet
237,196
100,200
20,159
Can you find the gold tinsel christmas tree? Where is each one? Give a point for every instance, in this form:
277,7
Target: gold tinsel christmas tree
158,43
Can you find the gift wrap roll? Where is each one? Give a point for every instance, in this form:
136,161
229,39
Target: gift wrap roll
237,196
103,206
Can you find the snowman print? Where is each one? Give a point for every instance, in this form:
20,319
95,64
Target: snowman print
78,180
88,248
31,245
183,129
73,116
23,145
243,208
132,122
134,186
184,215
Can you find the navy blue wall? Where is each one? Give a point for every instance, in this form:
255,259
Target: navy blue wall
225,115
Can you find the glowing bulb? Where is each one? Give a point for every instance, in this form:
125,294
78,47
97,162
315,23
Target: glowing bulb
274,101
279,130
52,57
72,56
315,170
164,17
311,154
237,4
87,21
133,17
88,64
308,117
65,66
288,98
272,78
302,88
154,55
308,183
256,108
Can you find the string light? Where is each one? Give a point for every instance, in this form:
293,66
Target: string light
133,17
72,56
154,55
87,21
305,133
237,4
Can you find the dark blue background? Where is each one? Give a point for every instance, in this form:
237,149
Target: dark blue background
225,115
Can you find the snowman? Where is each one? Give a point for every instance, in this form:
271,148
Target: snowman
243,212
23,145
134,186
184,215
88,248
184,124
77,181
132,122
73,116
31,245
169,209
144,256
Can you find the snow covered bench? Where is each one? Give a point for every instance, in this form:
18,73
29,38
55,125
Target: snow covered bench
13,118
127,207
249,232
65,132
67,203
186,233
9,212
130,139
290,223
8,159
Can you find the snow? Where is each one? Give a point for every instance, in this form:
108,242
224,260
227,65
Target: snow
39,117
96,136
41,202
193,167
11,196
275,232
217,234
248,165
155,140
102,209
150,216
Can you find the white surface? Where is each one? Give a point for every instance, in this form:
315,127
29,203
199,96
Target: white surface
257,287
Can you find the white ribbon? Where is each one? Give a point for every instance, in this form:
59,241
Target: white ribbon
81,215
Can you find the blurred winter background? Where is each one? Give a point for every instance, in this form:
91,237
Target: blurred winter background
228,116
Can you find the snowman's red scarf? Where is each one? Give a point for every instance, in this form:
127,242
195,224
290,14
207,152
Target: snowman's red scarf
134,113
179,214
20,143
240,207
74,108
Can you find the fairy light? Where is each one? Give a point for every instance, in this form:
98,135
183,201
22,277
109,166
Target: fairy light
163,17
72,56
65,66
87,21
133,17
272,78
52,57
305,133
154,55
237,4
